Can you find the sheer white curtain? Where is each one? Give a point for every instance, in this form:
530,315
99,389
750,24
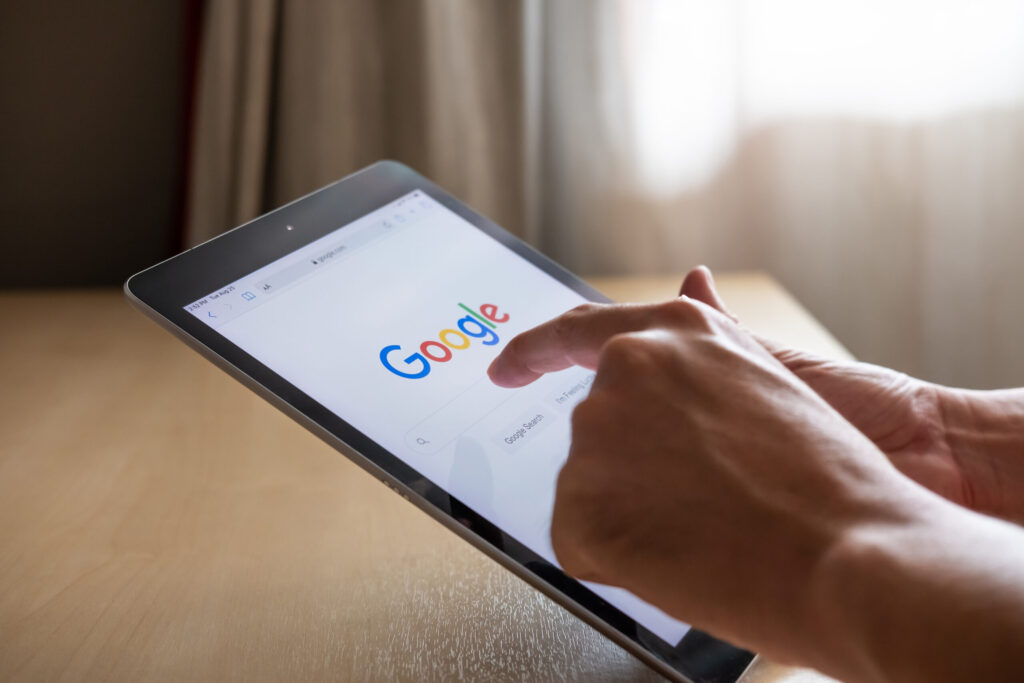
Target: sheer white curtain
870,155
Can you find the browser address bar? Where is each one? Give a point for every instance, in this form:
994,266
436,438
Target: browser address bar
322,258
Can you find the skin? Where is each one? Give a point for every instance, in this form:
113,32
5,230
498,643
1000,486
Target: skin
815,511
967,446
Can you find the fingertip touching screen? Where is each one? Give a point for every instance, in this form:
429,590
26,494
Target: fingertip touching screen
390,322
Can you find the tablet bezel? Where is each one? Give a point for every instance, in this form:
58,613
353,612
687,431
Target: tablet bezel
163,291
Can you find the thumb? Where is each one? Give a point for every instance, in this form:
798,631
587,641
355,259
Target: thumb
700,285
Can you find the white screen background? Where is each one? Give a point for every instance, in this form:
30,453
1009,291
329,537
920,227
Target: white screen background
324,333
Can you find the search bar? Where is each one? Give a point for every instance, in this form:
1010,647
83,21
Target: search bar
462,412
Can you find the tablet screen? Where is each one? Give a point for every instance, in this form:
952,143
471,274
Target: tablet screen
390,322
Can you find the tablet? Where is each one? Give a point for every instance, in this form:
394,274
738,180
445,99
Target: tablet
369,311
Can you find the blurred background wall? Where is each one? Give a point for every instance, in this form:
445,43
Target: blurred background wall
869,155
92,120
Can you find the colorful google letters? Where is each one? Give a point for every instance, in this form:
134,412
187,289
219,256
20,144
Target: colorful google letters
476,325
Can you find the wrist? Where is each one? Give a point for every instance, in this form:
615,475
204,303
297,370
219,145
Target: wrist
984,431
934,596
851,596
852,593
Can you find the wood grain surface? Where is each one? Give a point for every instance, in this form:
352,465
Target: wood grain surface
159,522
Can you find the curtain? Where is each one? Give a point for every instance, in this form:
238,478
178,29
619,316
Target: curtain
868,155
294,95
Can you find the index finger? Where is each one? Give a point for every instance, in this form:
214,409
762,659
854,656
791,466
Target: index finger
573,338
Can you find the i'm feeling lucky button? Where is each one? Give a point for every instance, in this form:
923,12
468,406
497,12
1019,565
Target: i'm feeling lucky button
528,425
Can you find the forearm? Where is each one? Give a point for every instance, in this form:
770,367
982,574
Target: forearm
938,599
985,431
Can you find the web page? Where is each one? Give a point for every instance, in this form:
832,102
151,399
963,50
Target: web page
391,322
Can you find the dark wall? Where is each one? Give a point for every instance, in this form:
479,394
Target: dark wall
90,138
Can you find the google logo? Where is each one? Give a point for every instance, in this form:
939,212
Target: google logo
477,325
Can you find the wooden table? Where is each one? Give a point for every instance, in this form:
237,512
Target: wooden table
159,522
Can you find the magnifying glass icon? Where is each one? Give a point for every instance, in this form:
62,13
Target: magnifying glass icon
421,441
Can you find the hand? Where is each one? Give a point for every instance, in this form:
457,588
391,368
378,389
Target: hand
703,475
906,418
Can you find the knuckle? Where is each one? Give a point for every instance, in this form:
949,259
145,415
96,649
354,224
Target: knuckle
562,328
566,325
629,351
585,309
684,312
